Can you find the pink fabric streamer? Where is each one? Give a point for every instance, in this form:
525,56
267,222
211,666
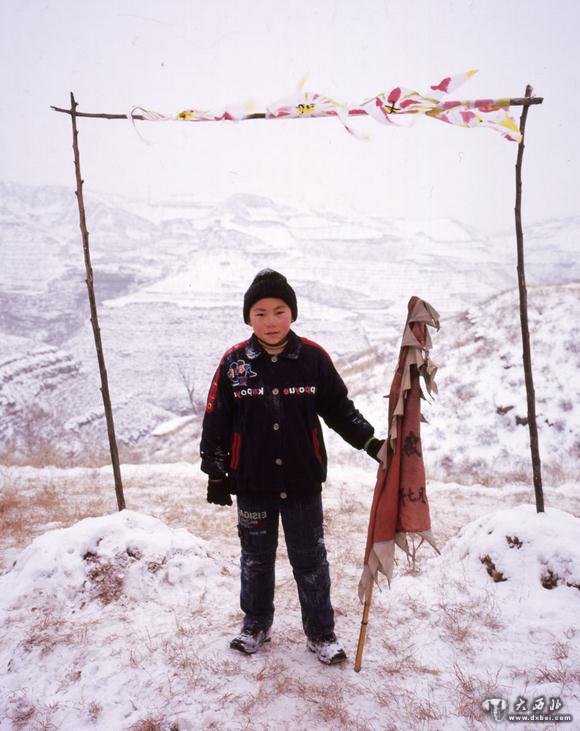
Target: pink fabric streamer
399,106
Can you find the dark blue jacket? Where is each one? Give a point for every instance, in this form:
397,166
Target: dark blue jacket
261,425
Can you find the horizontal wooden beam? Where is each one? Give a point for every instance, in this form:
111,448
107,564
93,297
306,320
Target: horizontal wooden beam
518,102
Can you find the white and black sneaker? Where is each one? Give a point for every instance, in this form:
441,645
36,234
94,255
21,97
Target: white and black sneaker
249,641
327,649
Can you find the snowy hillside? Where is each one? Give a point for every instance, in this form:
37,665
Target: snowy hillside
170,281
477,430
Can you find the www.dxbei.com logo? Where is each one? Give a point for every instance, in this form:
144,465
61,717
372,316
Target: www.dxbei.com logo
540,709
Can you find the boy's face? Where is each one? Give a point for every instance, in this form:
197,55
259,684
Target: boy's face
270,319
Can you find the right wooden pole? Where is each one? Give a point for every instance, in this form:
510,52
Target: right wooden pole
527,355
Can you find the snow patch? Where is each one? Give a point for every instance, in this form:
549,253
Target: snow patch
172,426
523,551
125,557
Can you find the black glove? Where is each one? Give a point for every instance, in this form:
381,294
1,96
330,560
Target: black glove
218,491
373,447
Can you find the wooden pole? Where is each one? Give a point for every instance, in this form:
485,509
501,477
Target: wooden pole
363,627
527,355
94,317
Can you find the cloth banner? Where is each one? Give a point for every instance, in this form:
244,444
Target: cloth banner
400,510
389,107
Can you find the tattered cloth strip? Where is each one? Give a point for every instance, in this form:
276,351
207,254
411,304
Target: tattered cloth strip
400,509
397,104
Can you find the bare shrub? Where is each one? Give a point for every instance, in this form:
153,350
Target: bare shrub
22,712
94,710
106,579
514,542
560,650
495,574
153,723
549,579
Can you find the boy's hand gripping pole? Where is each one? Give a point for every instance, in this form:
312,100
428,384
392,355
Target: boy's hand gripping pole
363,627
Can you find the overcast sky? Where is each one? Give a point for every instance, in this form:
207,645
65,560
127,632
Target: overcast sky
178,54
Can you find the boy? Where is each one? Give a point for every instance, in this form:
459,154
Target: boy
262,441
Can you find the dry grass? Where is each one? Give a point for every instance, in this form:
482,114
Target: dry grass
471,690
330,704
24,513
50,631
149,724
560,650
25,714
260,699
29,509
22,712
559,674
39,451
413,709
21,512
463,619
12,516
182,657
423,711
94,710
448,468
106,577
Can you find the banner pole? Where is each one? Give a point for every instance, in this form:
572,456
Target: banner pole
363,627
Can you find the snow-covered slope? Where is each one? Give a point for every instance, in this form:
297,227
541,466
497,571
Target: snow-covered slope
121,622
477,430
170,281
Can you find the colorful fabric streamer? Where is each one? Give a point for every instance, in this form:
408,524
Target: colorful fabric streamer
397,107
491,113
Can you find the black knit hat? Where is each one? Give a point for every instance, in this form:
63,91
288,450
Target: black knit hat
269,283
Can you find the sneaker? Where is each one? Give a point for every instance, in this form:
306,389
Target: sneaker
250,641
328,650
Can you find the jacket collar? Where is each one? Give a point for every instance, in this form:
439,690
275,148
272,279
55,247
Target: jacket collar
292,350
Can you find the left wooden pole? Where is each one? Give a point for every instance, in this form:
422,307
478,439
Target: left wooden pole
94,317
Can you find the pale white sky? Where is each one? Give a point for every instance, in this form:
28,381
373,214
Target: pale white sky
179,54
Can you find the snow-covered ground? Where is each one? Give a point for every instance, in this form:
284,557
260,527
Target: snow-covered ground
122,620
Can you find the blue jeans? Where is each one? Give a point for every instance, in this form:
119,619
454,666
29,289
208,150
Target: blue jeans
258,518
